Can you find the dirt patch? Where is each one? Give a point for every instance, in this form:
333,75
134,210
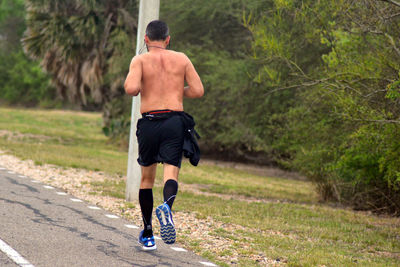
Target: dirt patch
256,169
20,136
199,190
8,135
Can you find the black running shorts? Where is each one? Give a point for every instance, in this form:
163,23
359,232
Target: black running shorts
160,140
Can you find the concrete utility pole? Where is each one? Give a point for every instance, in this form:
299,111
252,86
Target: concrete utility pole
148,11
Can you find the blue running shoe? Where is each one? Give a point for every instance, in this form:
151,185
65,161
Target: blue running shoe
167,229
147,242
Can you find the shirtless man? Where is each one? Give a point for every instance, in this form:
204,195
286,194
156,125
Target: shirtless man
159,76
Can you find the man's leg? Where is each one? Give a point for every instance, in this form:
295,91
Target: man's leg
171,173
163,212
146,197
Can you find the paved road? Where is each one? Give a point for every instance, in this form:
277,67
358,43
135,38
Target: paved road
49,228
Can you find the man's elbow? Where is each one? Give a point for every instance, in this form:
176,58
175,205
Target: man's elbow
131,90
199,92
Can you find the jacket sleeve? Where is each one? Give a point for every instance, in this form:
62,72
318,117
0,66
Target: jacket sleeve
191,148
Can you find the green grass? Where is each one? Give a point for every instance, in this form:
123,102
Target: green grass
235,182
305,231
289,223
110,188
75,139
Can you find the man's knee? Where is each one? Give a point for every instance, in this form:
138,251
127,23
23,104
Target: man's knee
147,182
146,179
148,176
170,172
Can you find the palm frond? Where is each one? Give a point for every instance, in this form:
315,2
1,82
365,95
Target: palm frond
73,40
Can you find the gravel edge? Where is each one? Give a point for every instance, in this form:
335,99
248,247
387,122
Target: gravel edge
190,229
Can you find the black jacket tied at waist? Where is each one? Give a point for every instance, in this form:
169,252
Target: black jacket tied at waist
191,149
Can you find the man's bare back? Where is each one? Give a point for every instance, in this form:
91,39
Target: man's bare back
160,76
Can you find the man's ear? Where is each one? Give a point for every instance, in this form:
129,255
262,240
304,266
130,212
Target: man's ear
167,40
146,39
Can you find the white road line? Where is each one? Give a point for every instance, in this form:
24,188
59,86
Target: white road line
10,172
179,249
131,226
61,193
157,237
2,169
14,255
94,208
34,181
112,216
76,200
48,187
21,176
207,263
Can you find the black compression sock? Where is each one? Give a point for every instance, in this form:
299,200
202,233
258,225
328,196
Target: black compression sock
146,205
170,191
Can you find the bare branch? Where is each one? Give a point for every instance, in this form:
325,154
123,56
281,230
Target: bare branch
321,81
392,16
368,120
383,121
107,30
391,2
393,43
306,84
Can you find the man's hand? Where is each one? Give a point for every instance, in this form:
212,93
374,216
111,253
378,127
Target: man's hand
133,81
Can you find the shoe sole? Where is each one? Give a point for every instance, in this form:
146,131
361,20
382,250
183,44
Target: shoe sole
147,248
167,229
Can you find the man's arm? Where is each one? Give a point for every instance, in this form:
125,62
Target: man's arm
133,81
195,87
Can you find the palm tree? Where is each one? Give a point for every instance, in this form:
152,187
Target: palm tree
84,45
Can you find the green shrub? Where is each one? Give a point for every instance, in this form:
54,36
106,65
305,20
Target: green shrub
23,81
370,168
116,120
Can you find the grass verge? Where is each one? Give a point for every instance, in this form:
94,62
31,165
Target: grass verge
276,217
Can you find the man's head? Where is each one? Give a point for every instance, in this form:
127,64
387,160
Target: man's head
157,30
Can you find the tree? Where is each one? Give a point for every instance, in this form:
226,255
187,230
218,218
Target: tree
339,60
21,79
12,24
84,45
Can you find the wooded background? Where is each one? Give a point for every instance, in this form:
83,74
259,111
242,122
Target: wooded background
311,86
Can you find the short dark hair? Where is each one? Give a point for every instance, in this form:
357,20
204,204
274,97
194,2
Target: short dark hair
157,30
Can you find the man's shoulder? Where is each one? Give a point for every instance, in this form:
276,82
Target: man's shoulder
137,58
177,53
